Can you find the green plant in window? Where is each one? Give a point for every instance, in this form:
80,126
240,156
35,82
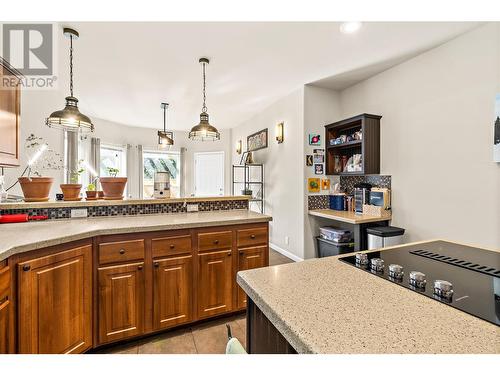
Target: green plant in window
74,175
91,187
113,172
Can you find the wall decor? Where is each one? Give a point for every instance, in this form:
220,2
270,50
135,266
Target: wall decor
313,185
496,137
315,139
325,184
309,160
257,141
319,155
318,168
280,133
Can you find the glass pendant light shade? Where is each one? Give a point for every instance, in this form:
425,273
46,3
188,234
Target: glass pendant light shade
165,138
70,118
204,131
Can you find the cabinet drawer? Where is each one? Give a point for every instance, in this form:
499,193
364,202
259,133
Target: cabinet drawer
124,251
253,236
4,283
171,246
215,240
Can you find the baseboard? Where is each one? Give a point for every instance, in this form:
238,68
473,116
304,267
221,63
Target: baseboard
288,254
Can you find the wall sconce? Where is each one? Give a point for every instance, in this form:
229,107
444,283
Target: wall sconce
238,147
279,132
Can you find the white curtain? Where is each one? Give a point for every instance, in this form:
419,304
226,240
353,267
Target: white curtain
140,167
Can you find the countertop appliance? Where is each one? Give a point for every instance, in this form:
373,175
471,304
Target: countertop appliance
460,276
361,196
161,185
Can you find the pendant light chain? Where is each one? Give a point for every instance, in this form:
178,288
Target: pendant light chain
71,64
165,118
204,108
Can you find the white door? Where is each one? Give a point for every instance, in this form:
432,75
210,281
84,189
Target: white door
208,174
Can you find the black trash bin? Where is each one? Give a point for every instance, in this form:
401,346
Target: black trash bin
329,248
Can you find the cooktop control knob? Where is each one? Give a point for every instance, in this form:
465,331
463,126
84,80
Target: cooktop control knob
361,259
377,264
417,279
443,288
396,271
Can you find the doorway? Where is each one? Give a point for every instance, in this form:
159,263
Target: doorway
208,174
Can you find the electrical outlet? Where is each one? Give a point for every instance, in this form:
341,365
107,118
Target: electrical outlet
192,207
287,240
79,212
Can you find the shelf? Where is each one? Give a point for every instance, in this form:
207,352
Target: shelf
247,165
347,144
359,173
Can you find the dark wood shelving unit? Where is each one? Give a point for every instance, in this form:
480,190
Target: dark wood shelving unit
368,146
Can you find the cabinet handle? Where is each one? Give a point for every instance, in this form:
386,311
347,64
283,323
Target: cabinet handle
26,267
139,268
228,254
157,265
216,242
122,251
172,246
252,236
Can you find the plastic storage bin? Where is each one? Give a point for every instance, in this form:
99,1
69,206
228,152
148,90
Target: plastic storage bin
379,237
335,234
329,248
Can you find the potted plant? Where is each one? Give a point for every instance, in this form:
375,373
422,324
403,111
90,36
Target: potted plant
91,192
113,186
71,191
35,187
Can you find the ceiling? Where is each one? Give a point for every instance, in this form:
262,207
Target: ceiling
123,71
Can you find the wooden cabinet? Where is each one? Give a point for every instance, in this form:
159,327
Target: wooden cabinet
215,283
172,291
10,108
55,302
5,332
249,258
121,251
121,301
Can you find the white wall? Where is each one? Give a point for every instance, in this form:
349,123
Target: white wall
321,107
283,174
436,138
36,105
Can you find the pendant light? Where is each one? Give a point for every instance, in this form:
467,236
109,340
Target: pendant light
204,131
70,118
165,139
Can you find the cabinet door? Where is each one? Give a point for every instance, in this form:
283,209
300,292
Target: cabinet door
121,301
4,310
215,285
55,302
10,103
172,288
249,258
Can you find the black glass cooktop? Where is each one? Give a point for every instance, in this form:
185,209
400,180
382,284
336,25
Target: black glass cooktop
474,274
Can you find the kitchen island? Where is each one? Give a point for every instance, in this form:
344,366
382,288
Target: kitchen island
328,306
72,285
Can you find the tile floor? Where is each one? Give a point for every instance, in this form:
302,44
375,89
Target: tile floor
204,338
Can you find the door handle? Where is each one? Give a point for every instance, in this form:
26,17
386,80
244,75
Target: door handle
228,254
252,236
216,242
26,267
157,265
139,268
172,246
122,251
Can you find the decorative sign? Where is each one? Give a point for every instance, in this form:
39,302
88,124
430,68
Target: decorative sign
257,140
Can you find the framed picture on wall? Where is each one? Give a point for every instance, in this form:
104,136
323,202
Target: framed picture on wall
257,141
318,168
496,136
315,139
309,160
319,155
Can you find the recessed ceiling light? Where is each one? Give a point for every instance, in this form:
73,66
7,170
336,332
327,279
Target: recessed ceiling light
350,27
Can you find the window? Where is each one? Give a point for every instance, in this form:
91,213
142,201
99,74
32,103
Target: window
158,161
113,157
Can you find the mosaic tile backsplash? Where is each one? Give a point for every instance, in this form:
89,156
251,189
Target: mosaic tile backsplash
319,202
132,209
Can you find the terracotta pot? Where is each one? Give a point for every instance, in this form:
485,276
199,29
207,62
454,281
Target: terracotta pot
36,189
113,187
71,192
91,195
100,194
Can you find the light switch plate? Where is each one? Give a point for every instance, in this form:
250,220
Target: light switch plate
192,207
79,212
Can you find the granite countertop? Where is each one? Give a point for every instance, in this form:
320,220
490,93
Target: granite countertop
121,202
327,306
348,216
21,237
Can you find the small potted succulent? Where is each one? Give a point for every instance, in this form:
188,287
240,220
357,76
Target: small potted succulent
71,191
91,192
36,188
113,186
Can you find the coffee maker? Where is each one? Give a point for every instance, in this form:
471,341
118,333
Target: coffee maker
161,185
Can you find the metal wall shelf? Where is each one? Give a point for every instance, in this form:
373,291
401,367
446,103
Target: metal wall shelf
247,184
